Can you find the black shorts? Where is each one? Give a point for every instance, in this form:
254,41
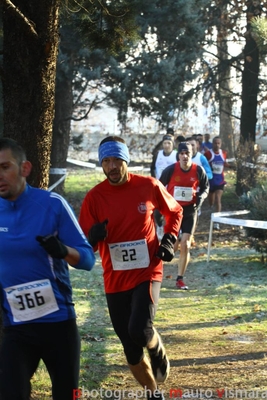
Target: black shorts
214,188
132,313
23,346
189,220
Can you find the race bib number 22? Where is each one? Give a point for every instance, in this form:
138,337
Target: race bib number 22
129,255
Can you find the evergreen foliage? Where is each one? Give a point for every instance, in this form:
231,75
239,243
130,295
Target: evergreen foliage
92,32
156,71
141,54
259,32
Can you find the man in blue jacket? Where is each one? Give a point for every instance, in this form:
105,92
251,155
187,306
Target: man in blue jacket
39,237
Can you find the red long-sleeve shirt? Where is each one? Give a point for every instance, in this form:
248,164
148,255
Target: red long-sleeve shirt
128,252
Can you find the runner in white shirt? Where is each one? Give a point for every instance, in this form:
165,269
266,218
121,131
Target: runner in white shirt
161,160
164,157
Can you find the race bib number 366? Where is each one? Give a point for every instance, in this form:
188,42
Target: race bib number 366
31,300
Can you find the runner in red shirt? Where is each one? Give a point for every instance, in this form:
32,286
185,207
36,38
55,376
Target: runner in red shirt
188,184
117,216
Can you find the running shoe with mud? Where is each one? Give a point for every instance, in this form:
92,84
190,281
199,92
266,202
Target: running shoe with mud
159,362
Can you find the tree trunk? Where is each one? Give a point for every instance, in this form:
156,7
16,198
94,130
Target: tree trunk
250,87
226,126
61,131
225,104
250,80
225,95
30,47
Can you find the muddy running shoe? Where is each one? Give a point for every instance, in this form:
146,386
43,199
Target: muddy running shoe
159,362
181,285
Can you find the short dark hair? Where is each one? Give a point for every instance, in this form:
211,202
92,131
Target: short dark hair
170,131
17,151
184,146
180,138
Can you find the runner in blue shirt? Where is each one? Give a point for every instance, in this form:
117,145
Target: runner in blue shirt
39,237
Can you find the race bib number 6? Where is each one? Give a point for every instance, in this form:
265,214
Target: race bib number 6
31,300
183,193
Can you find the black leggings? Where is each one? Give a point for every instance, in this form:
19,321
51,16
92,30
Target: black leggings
57,344
132,313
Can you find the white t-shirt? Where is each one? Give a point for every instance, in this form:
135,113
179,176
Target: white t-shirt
163,161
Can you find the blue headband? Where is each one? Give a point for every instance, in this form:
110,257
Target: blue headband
113,149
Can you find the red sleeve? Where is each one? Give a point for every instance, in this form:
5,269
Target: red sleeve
207,154
86,218
170,209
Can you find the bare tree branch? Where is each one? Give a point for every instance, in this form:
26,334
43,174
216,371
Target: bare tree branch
92,105
11,7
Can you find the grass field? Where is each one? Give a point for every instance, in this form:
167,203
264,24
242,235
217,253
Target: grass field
215,333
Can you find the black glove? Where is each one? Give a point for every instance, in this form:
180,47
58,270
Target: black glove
97,232
198,204
158,218
165,250
53,246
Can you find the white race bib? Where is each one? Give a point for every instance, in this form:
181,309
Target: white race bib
31,300
217,168
129,255
183,193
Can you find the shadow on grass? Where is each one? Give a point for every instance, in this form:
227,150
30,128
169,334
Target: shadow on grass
99,342
259,355
220,323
